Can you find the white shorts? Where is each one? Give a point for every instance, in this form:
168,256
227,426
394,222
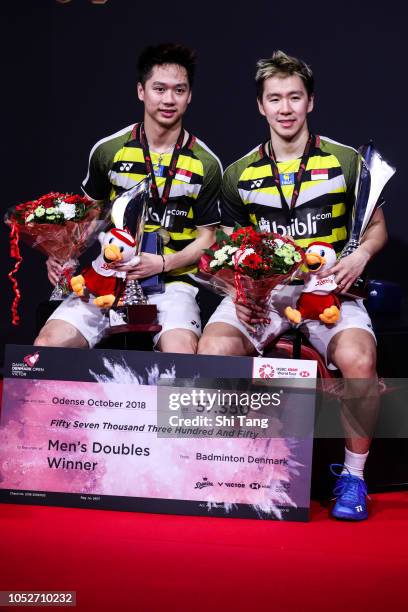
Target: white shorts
352,315
176,308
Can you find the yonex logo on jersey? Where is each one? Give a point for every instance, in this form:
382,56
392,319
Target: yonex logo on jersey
256,183
359,508
125,167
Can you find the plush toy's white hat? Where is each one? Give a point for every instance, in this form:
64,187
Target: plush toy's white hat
123,236
320,243
324,251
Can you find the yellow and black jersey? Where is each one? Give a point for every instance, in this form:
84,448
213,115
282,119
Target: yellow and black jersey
117,163
322,209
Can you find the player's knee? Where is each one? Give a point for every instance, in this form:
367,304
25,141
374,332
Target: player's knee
222,345
356,362
60,334
178,341
46,338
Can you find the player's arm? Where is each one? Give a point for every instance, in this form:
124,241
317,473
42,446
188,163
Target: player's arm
207,218
155,264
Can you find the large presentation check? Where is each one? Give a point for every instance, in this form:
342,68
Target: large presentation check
154,432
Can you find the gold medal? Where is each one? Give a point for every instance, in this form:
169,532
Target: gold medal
165,236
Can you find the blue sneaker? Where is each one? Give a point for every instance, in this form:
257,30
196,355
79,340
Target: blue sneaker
351,496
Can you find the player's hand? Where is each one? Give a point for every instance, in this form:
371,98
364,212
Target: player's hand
54,269
348,269
251,314
148,265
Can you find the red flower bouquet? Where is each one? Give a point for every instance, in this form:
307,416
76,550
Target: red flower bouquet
60,225
249,263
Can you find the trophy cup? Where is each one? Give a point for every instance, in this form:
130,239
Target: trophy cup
373,173
134,314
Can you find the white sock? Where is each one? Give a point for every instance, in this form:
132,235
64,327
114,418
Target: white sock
354,462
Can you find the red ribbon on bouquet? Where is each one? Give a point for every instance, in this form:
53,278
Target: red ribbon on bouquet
15,254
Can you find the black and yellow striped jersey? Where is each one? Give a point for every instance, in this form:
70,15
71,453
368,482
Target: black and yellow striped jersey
116,163
326,196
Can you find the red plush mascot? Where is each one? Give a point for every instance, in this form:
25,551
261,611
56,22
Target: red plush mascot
99,279
317,300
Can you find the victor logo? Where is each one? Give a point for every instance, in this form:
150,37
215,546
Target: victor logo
239,485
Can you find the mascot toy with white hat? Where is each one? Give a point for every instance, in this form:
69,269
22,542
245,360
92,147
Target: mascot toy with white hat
99,279
317,300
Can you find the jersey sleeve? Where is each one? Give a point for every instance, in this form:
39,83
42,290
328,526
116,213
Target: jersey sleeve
96,184
233,209
208,201
349,164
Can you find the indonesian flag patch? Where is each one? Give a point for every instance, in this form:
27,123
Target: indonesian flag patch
322,174
183,175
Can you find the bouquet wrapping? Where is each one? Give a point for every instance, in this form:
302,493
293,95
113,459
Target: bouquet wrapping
60,225
249,264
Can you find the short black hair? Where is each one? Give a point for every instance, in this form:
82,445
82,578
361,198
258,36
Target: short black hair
166,53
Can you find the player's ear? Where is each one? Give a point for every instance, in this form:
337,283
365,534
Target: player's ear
140,92
310,105
260,107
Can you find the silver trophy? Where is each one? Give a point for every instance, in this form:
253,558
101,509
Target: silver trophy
373,173
129,211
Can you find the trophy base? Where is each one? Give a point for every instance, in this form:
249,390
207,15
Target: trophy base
133,318
134,328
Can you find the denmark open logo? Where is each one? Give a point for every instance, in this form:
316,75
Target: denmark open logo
266,371
31,360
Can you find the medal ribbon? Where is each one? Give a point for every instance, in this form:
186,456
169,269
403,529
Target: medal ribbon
160,202
311,143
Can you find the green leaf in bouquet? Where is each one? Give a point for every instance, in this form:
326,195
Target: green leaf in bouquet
221,236
209,252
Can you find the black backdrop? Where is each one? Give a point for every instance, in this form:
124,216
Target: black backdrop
68,79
